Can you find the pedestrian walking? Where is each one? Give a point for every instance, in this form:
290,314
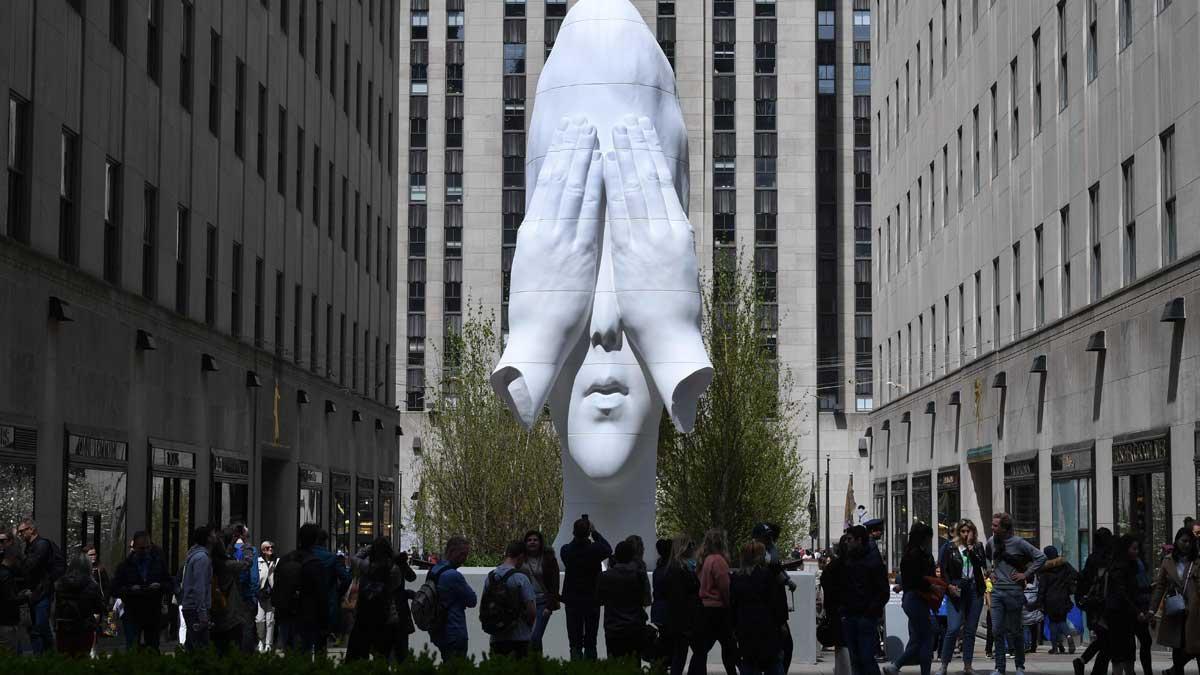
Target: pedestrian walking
78,602
1056,586
195,593
379,629
508,608
542,569
13,596
335,583
300,595
582,558
141,583
1121,613
681,604
916,567
623,590
264,619
963,566
1095,569
832,565
759,612
230,613
715,624
1141,629
1012,561
454,596
1176,594
866,593
248,583
44,565
658,603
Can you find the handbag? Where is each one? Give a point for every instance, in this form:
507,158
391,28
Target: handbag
1176,605
937,591
350,600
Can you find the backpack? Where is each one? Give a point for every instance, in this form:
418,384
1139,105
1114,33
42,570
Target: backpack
427,611
1093,601
500,609
289,583
374,601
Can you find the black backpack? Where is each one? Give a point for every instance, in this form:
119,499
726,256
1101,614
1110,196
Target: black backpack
289,582
1093,600
501,607
428,614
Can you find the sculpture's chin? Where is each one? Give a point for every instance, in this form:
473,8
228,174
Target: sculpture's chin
601,455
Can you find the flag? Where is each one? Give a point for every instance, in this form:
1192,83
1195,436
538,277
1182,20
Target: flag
814,527
848,516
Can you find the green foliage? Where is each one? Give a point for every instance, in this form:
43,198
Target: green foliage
482,475
146,663
740,465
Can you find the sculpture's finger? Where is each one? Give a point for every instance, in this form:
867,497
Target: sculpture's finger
591,210
631,184
656,209
537,203
577,174
666,177
559,165
614,199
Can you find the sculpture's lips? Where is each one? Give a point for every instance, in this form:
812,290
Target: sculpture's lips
607,387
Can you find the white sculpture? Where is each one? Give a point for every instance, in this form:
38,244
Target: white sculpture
604,304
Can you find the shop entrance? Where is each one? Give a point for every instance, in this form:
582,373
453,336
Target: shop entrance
1071,502
979,465
1142,490
949,496
172,501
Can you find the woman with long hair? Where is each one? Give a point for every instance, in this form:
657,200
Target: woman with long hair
1121,613
380,625
963,564
228,614
77,602
1179,578
681,603
1093,570
100,576
915,565
542,569
758,608
714,625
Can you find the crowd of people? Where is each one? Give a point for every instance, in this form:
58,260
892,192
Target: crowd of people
232,596
1128,606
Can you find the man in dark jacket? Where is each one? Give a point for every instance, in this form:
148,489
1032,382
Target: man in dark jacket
303,585
622,590
862,602
1056,585
140,582
12,596
581,559
44,564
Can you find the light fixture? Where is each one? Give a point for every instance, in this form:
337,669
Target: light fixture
330,407
302,397
145,341
906,418
1098,342
252,379
954,400
930,408
60,310
869,433
1000,381
1039,364
886,426
378,424
399,430
1173,311
355,416
208,363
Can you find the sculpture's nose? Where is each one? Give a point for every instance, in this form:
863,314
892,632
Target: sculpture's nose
606,322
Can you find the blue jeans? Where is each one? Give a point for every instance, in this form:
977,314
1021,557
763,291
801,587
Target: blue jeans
861,636
962,617
41,638
919,649
539,625
1007,606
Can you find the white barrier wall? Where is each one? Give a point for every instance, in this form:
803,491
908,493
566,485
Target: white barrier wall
802,622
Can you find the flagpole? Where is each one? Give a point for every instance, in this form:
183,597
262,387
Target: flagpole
827,462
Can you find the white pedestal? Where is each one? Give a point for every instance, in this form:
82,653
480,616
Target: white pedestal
896,627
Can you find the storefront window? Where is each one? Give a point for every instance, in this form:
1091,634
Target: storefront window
922,500
18,469
1071,473
364,517
1021,495
172,509
96,497
341,519
231,489
900,522
387,509
880,510
1141,490
311,481
949,498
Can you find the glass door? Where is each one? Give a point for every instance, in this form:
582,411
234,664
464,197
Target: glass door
1141,501
342,517
311,495
171,517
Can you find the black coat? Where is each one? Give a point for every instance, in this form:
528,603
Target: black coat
869,592
759,608
951,563
144,605
681,600
622,590
914,567
1056,585
833,588
581,560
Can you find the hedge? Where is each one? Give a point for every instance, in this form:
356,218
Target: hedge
209,663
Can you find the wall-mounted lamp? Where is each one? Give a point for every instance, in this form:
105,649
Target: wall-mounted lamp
208,363
1173,311
330,407
1000,381
302,397
60,310
1039,364
1098,342
145,341
252,379
355,416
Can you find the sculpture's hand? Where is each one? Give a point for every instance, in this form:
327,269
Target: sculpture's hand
654,268
553,271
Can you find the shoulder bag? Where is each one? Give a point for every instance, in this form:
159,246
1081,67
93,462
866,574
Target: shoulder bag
1176,604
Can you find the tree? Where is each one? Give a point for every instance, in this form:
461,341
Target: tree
740,464
482,475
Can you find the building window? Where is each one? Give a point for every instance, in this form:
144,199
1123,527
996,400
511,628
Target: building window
1014,112
1166,142
1064,252
1093,61
1036,104
960,169
1063,87
1129,220
333,60
312,333
281,155
316,188
210,276
68,198
975,149
185,55
302,36
149,242
112,221
1094,238
182,225
1124,23
239,108
1016,291
235,294
261,137
995,303
283,15
454,26
116,24
300,169
18,168
154,40
318,55
995,135
214,84
297,322
1039,300
279,291
978,308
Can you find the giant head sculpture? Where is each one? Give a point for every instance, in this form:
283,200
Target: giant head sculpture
604,300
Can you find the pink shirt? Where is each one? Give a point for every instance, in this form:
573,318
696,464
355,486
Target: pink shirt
714,582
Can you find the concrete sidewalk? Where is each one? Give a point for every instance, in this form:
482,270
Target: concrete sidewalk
1035,664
